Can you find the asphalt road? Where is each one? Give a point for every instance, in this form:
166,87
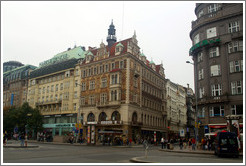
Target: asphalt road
50,153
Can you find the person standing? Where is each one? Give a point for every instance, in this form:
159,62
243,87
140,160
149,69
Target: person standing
181,143
22,139
193,141
162,143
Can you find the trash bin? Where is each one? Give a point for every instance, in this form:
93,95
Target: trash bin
168,145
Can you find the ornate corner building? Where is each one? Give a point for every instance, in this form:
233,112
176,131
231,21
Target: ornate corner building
122,93
217,51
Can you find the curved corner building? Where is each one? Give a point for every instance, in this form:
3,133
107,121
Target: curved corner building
217,51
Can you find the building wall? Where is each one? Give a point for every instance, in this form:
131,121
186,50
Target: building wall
176,106
220,20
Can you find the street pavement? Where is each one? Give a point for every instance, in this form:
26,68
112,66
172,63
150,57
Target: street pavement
52,152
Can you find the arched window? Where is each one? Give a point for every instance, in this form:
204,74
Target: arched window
102,117
134,117
116,116
91,117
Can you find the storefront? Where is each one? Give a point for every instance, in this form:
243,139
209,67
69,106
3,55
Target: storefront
59,124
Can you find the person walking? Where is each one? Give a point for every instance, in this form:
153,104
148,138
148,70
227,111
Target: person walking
193,141
162,143
181,143
22,139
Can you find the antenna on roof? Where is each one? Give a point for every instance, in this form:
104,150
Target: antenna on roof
123,6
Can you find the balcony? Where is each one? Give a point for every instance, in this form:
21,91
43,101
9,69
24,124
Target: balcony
118,85
108,104
49,102
213,99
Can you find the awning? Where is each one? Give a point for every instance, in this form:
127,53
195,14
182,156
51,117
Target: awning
218,126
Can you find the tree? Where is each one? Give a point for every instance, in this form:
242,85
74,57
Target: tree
24,117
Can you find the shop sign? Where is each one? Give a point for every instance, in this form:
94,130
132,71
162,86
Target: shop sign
91,122
106,122
181,132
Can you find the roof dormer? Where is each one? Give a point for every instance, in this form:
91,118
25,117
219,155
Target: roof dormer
118,48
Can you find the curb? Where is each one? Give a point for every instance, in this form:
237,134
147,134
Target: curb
32,146
136,160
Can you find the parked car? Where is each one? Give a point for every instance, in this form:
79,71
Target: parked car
226,143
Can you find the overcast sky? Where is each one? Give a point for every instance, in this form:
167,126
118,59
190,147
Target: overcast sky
32,32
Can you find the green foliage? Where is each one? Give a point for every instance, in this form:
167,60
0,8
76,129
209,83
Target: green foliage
21,117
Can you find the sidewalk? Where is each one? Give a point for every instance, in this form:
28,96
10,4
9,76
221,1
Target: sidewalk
155,159
16,144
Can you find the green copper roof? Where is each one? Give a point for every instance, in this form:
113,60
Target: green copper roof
119,44
151,62
76,53
142,54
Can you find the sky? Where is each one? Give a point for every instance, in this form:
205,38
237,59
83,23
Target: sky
35,31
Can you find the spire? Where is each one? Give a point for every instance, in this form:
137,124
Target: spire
111,39
134,35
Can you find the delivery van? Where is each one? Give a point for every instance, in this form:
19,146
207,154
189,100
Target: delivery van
226,143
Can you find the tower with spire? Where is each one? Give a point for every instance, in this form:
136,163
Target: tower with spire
111,39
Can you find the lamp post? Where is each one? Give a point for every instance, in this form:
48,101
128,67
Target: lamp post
28,115
79,114
196,94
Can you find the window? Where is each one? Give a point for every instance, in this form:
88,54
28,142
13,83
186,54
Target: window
201,112
75,94
196,39
199,57
112,65
213,52
57,87
106,68
236,66
236,88
237,109
201,92
61,86
39,91
114,78
217,111
113,95
104,82
103,98
95,70
82,100
200,14
121,64
52,88
211,32
43,89
91,99
233,27
213,8
92,84
235,46
200,74
83,74
215,70
216,90
83,86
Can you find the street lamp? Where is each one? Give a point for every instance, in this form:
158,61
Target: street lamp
196,94
79,114
28,115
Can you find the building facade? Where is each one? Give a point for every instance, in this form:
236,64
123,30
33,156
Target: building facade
52,90
190,102
122,93
217,51
15,85
176,110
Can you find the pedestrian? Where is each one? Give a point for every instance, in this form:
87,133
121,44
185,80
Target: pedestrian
204,142
5,137
165,143
162,143
130,141
22,138
181,143
189,144
108,141
193,141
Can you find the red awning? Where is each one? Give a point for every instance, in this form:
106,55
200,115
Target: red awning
217,126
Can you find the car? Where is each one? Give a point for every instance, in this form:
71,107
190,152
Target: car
226,144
